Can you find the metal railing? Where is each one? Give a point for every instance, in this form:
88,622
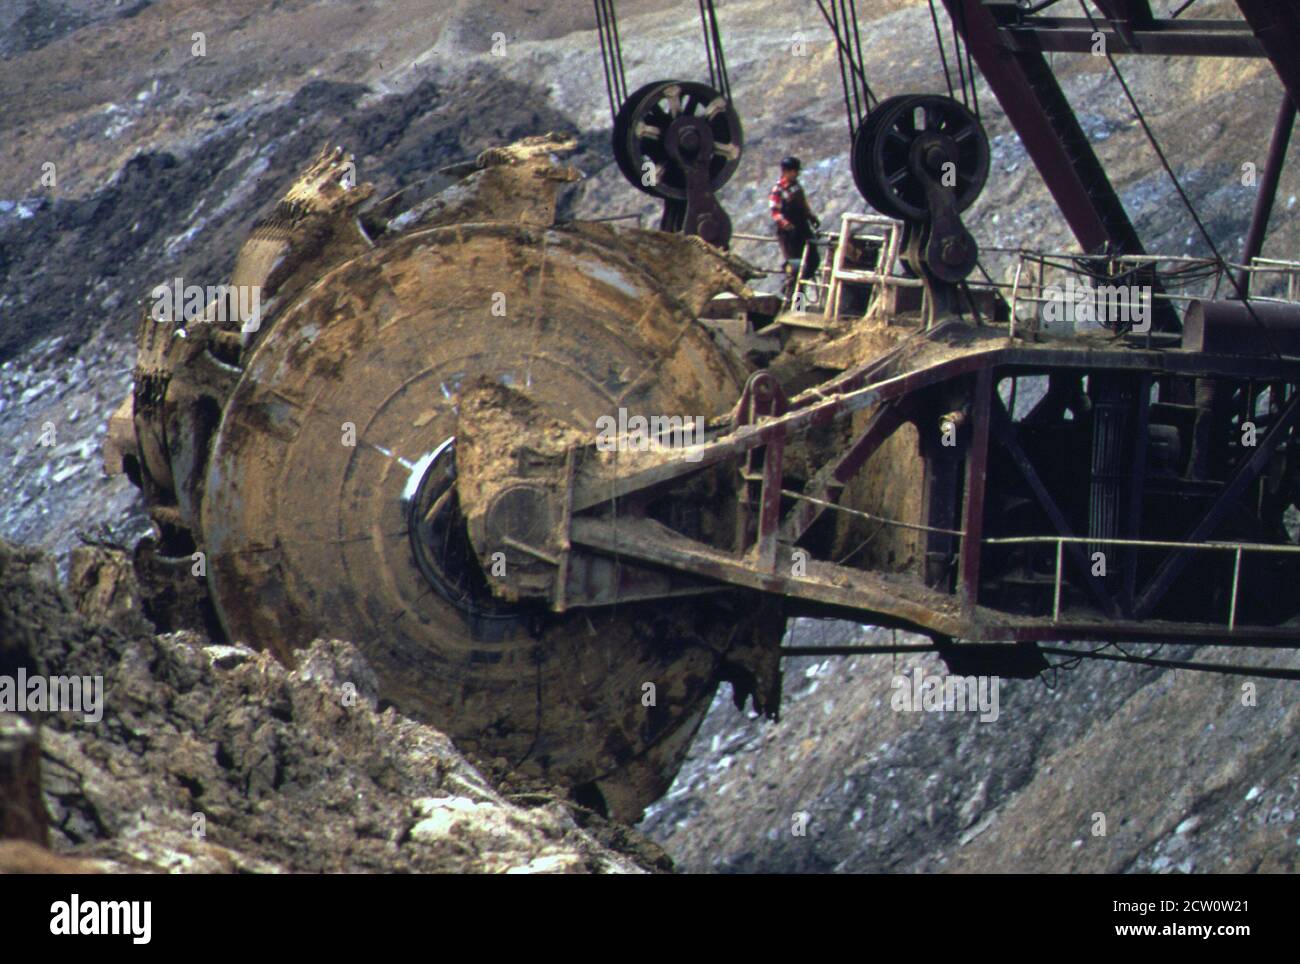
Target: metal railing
818,285
1238,548
1289,269
1185,279
883,234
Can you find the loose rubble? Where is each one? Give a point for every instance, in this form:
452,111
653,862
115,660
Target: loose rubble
218,759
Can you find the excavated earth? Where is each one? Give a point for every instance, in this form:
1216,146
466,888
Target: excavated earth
163,158
215,758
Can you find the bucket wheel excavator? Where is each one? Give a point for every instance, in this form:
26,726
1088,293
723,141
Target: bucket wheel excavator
530,472
317,459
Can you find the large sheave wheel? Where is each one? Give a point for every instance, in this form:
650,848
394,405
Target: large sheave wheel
641,132
884,153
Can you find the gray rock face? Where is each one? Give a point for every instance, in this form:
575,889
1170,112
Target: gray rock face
253,767
22,811
1094,768
54,408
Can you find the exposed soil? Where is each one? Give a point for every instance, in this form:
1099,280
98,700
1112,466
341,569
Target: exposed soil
212,758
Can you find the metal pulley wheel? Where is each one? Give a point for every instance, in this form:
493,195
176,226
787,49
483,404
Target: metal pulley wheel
668,120
914,137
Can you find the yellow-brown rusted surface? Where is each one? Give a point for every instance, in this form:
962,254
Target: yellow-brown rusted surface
356,381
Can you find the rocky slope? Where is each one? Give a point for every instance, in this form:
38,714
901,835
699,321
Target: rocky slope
131,154
1190,771
209,758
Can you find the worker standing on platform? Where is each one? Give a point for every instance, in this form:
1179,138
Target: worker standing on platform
796,225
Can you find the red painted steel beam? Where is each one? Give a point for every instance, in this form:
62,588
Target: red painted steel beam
1277,25
1264,198
1027,89
829,483
1078,36
1134,13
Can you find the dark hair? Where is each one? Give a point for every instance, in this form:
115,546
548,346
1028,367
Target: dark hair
790,164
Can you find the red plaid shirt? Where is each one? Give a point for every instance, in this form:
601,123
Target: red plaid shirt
788,204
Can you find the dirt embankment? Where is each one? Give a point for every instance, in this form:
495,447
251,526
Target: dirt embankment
208,758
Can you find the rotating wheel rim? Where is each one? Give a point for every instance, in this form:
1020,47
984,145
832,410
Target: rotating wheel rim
858,156
623,153
643,123
555,695
441,547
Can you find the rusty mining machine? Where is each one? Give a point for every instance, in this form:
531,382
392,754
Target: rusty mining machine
401,449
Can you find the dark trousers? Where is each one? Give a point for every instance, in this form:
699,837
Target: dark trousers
793,244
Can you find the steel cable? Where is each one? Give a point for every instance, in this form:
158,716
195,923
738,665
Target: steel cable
1191,209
